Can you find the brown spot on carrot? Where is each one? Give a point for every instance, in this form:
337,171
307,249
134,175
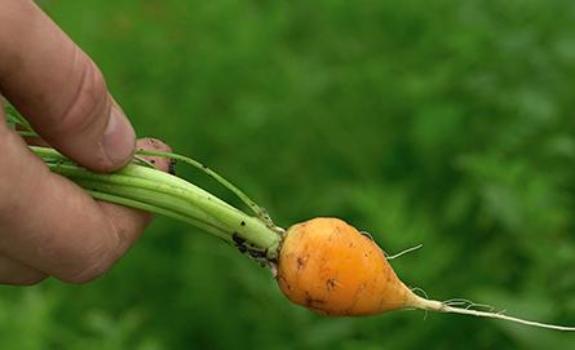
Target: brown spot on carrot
313,302
283,281
330,284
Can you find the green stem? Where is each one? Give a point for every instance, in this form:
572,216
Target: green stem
15,118
150,208
260,212
27,133
152,190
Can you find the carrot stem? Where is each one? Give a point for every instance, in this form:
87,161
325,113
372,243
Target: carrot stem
141,187
144,206
259,211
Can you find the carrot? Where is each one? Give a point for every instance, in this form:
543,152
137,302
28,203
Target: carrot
331,268
323,264
328,266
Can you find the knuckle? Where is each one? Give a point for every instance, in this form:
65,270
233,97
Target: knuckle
14,28
89,102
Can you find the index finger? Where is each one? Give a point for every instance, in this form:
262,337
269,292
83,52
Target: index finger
60,90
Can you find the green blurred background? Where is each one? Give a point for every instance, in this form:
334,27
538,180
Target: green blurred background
447,123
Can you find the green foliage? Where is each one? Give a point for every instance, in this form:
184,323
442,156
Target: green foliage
436,122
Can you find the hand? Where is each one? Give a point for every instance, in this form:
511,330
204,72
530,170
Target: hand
48,225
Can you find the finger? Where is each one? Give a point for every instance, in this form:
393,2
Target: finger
60,90
151,144
15,273
130,221
52,225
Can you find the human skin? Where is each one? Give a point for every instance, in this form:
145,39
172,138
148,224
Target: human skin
48,225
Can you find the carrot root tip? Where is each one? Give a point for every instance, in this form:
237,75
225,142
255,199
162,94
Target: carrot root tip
466,307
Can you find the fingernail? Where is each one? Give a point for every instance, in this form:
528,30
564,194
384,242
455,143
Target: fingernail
119,139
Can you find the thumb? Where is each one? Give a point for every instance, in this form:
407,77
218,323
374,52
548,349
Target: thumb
59,89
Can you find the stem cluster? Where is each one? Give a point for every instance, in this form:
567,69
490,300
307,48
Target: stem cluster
142,187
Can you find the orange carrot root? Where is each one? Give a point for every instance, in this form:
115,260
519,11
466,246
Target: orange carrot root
331,268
